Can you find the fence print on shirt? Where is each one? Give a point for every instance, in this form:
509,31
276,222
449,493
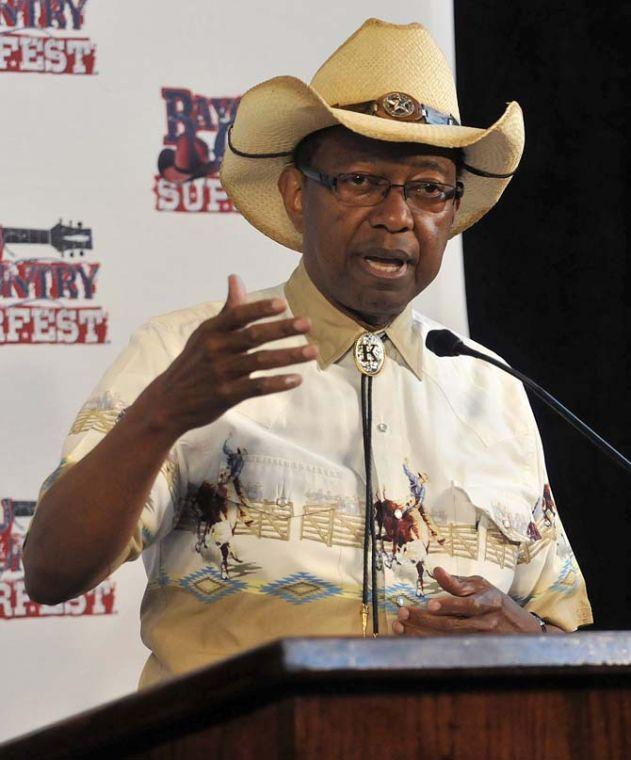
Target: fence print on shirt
267,519
327,525
459,540
332,527
100,414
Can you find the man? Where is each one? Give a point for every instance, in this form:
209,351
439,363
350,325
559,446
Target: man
242,470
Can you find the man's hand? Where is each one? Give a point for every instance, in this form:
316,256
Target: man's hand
472,605
212,374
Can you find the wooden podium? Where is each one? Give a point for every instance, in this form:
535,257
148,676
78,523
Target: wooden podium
504,697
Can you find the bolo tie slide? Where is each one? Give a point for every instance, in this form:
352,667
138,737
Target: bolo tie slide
369,357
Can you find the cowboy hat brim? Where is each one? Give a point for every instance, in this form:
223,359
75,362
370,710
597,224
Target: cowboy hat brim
274,116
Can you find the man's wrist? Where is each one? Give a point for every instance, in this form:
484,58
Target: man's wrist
148,420
542,623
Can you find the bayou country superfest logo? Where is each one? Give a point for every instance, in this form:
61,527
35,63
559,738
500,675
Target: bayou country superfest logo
188,168
48,297
15,517
40,37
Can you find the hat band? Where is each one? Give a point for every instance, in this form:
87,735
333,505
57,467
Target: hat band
401,107
286,153
483,173
243,154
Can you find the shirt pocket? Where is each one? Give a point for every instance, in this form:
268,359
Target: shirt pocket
509,509
486,533
301,522
294,485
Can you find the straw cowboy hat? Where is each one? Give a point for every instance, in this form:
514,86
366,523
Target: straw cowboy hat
387,82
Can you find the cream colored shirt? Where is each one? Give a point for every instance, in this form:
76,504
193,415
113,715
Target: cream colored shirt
254,527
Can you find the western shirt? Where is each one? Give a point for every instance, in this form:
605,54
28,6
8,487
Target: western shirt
254,527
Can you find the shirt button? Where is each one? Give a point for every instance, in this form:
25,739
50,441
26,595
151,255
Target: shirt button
382,427
506,522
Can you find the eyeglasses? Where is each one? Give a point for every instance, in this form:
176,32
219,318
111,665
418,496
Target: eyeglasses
358,189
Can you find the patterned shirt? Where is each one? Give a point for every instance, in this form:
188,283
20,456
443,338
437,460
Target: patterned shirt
254,527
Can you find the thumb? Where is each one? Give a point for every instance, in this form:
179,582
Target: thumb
452,583
236,291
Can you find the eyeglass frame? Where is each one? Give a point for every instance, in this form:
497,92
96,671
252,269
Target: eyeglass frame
330,182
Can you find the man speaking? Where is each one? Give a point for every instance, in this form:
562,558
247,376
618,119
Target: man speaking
295,461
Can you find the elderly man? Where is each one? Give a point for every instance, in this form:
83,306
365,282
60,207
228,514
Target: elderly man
262,453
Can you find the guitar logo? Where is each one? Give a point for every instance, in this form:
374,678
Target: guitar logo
63,238
49,299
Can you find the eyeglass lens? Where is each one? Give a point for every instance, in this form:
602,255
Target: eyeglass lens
368,190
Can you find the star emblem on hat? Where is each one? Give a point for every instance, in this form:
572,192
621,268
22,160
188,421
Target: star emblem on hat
399,105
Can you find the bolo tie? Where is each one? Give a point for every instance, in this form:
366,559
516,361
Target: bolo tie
369,356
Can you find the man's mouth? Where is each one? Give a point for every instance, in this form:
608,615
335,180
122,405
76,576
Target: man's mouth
388,266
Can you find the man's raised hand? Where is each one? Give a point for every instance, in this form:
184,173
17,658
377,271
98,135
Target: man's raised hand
213,372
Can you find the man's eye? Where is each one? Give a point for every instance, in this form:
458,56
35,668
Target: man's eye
358,180
426,190
361,181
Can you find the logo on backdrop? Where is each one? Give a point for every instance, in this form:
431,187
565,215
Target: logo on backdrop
39,36
14,601
49,297
188,168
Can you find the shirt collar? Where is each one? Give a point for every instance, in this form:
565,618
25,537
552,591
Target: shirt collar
335,332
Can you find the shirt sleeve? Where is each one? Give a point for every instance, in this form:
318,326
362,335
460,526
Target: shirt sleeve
149,353
548,579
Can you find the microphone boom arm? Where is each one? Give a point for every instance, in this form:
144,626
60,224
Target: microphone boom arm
549,399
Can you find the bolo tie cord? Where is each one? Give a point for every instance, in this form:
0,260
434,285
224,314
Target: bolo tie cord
369,529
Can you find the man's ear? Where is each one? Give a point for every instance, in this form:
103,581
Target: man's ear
456,206
290,188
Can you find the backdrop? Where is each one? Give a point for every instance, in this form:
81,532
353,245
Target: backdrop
94,239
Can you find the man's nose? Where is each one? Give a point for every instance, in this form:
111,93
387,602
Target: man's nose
393,212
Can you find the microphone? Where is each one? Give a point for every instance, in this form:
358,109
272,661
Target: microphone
445,343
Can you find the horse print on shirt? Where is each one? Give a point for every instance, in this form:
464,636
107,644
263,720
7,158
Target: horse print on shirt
217,510
216,514
404,531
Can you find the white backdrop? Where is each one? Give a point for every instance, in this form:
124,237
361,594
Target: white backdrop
84,147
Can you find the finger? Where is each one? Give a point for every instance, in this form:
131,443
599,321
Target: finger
427,624
456,585
236,291
464,606
249,387
403,613
264,360
401,630
264,332
241,314
404,628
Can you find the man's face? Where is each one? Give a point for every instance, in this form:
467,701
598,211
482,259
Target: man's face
370,261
